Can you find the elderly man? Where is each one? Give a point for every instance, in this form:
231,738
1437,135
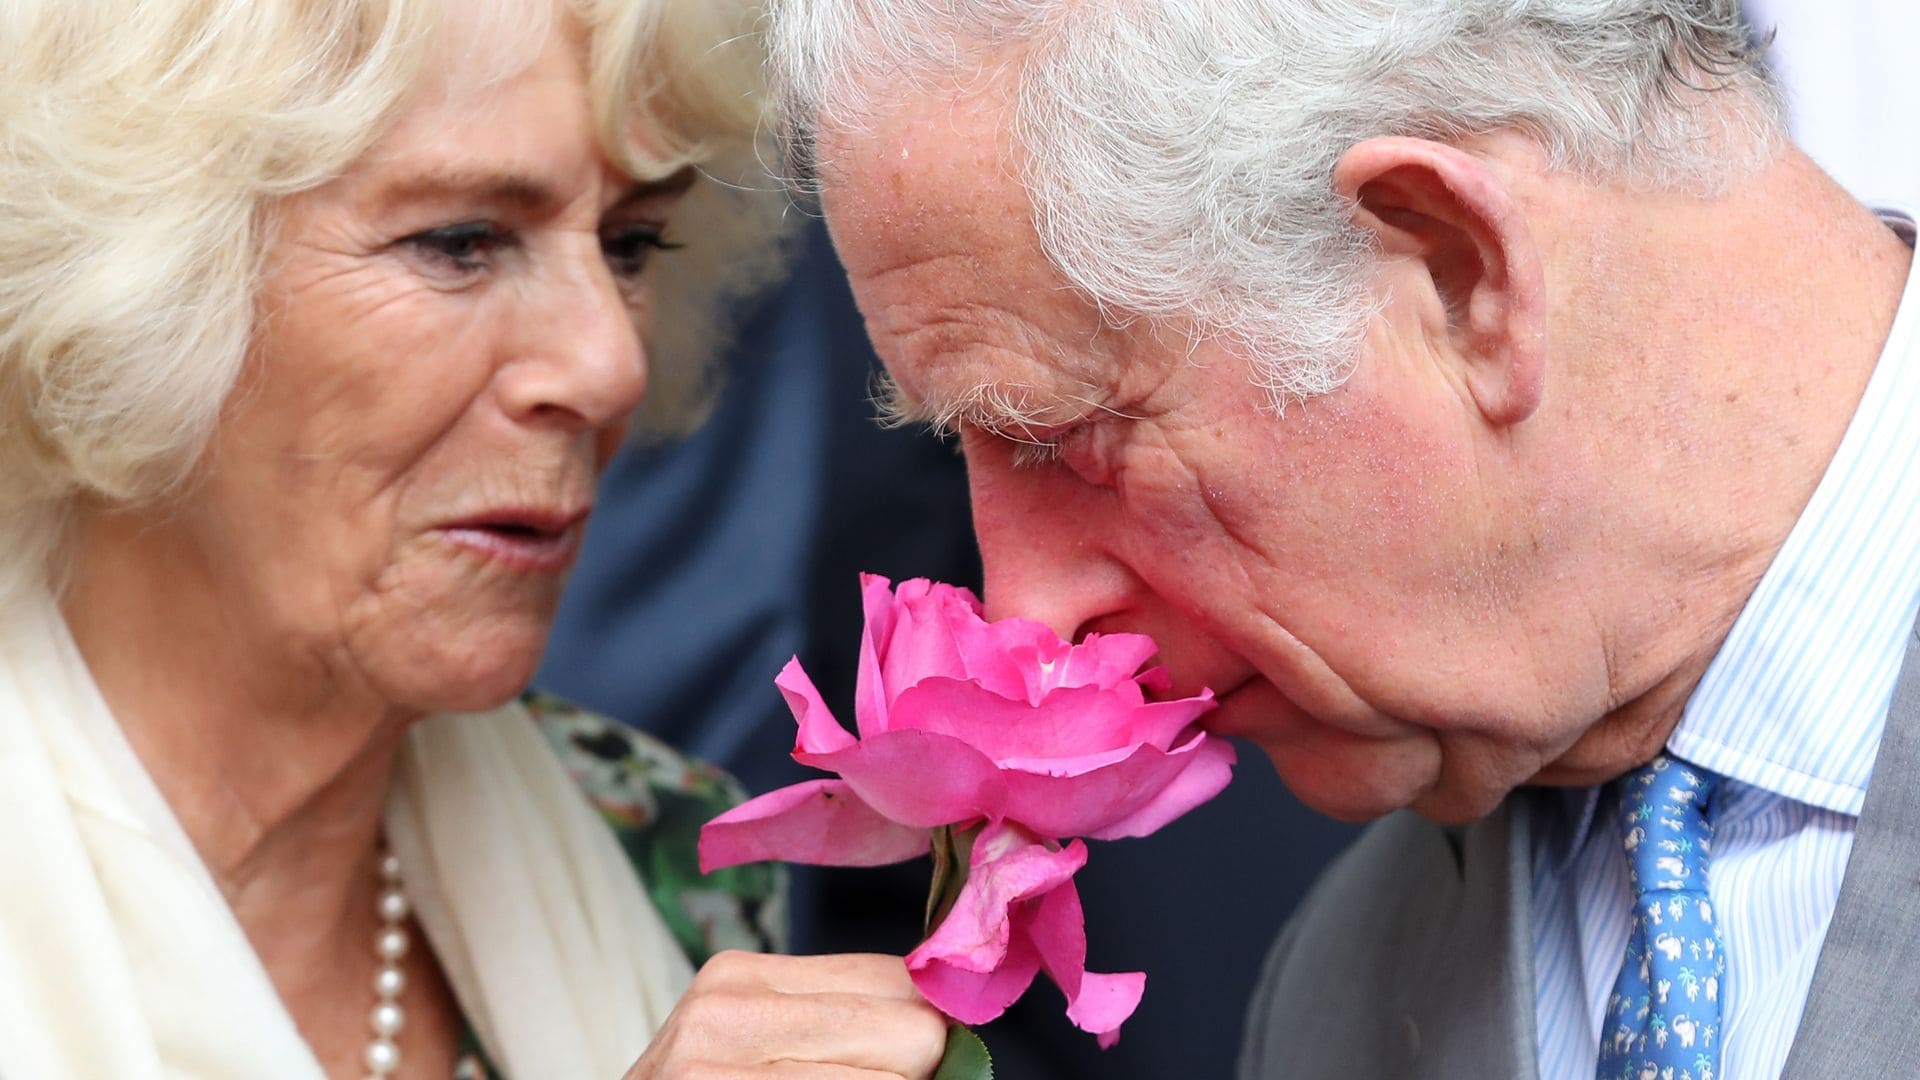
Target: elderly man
1485,400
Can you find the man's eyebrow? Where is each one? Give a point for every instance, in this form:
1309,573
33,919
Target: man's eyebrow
894,407
1013,410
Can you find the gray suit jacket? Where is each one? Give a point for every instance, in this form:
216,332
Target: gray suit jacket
1413,956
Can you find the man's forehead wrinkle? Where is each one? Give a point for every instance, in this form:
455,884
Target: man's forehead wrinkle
955,300
977,361
979,327
926,327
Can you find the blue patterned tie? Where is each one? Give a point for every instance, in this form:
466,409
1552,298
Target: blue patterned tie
1663,1018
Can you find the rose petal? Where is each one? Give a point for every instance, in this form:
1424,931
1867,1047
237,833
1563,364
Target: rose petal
1069,724
1105,1002
1160,723
1075,729
924,640
973,997
1106,659
981,958
918,778
1081,766
960,603
1209,768
1014,657
870,689
1008,866
1093,802
1157,679
909,635
821,822
1057,926
819,732
1028,655
1095,1003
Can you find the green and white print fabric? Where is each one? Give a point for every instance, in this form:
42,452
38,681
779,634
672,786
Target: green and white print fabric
1664,1014
656,799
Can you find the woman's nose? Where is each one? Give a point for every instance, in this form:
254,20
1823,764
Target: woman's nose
580,361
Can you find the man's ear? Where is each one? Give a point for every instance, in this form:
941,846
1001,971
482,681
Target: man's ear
1444,207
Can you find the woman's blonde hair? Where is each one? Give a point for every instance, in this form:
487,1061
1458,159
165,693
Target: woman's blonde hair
143,147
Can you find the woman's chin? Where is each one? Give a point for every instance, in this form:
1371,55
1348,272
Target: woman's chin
474,674
479,698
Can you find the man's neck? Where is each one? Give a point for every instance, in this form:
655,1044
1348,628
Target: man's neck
1765,325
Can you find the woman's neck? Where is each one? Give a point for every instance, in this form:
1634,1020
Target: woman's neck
277,769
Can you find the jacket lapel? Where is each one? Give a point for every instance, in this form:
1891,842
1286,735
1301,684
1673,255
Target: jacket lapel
1467,998
1863,1012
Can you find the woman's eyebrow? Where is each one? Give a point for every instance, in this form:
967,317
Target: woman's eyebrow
674,183
507,188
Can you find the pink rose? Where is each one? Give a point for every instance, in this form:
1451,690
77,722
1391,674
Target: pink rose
1002,727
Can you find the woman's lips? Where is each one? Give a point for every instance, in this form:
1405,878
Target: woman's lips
528,541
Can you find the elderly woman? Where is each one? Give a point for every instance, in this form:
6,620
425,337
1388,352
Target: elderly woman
317,321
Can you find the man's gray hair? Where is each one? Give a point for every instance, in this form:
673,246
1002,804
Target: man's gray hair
1180,154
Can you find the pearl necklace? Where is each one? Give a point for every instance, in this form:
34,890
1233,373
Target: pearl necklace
390,944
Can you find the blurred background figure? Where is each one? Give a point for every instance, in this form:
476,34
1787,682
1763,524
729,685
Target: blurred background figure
713,560
1848,70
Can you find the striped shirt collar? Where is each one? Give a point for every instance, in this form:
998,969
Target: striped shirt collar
1795,700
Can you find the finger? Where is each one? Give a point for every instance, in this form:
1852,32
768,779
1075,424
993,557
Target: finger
868,973
787,1070
854,1030
901,1037
813,1070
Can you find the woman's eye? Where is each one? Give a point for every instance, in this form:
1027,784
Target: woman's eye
465,248
628,247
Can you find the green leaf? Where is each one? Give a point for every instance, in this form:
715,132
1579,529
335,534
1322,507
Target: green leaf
952,865
967,1057
942,873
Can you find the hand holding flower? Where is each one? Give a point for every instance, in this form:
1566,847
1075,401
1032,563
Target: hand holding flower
1010,740
749,1015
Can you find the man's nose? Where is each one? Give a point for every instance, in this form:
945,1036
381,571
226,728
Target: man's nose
1042,550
